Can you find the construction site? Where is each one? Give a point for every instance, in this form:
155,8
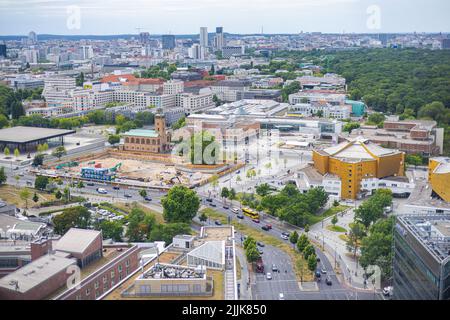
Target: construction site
157,170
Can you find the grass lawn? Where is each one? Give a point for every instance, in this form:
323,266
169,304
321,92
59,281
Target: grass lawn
128,207
336,228
299,263
11,195
328,213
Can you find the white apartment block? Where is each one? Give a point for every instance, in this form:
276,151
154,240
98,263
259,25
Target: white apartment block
328,111
173,87
58,90
192,103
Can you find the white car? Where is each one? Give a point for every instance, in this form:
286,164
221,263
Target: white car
102,191
281,296
269,276
235,210
284,237
387,291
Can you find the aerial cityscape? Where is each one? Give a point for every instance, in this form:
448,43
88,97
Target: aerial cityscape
192,158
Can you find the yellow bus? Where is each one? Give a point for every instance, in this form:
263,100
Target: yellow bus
250,213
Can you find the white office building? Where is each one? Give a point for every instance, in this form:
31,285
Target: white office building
204,37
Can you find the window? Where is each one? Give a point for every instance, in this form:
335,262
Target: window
88,291
119,268
127,263
105,278
113,274
146,289
96,285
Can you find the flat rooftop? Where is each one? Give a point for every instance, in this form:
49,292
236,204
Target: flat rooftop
30,134
35,273
433,231
222,233
142,133
170,271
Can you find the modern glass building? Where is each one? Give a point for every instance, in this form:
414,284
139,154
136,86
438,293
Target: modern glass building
421,266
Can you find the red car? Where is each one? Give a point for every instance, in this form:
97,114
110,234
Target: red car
256,220
269,226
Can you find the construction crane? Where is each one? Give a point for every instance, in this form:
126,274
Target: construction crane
117,166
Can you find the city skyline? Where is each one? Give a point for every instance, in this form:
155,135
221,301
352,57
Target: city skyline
101,17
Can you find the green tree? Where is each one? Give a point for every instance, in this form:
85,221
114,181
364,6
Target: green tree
232,194
35,198
180,204
376,118
215,181
4,122
58,194
203,217
263,189
113,139
59,152
111,230
349,127
25,195
166,232
334,220
248,242
252,254
293,237
413,159
3,177
6,152
356,233
312,262
16,153
376,248
41,182
143,193
74,217
225,193
140,225
302,242
308,251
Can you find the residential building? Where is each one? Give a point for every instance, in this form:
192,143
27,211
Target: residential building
173,87
58,90
197,52
227,90
192,103
358,160
421,263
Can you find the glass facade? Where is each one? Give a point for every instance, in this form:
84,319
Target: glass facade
417,274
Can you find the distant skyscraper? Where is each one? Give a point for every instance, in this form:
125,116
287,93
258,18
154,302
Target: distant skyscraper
3,50
32,37
204,37
219,40
168,42
87,52
445,43
197,52
144,37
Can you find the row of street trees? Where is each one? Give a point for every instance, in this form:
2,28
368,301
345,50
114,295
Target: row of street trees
371,232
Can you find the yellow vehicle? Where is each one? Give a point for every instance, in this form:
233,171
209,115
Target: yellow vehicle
250,213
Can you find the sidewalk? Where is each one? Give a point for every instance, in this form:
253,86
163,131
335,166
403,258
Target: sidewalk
246,293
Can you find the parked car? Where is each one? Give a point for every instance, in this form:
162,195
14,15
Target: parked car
328,281
147,198
226,207
90,184
268,276
318,259
269,226
209,200
265,228
102,191
281,296
318,274
240,216
284,237
287,234
255,220
116,188
127,195
323,270
260,244
217,222
274,268
260,251
235,210
213,205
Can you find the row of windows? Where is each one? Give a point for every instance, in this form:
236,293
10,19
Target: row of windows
142,141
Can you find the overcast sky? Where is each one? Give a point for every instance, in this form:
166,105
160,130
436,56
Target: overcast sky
18,17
